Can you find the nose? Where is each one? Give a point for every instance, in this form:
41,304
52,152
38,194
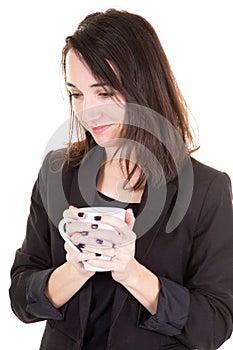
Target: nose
90,112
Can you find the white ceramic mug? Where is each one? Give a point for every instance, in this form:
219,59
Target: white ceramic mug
91,212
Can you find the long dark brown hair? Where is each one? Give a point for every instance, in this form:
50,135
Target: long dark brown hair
123,50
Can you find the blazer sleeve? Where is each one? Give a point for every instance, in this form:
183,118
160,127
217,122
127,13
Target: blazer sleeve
32,265
200,312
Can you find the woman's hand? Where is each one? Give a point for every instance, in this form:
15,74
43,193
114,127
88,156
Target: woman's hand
74,257
125,269
122,253
76,260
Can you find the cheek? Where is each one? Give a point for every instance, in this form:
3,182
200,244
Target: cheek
77,107
118,130
114,112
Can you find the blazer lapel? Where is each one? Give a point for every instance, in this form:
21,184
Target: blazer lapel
84,304
81,192
83,188
152,213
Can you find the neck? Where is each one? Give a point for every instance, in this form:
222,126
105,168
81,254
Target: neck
112,153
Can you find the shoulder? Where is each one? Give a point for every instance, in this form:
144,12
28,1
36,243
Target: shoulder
52,163
212,194
55,168
200,184
64,158
206,177
200,189
205,201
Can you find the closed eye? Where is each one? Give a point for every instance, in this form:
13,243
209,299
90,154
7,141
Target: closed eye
106,94
75,95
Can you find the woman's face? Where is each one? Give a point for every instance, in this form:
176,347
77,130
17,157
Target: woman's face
100,109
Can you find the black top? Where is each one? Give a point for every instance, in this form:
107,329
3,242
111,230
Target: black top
103,289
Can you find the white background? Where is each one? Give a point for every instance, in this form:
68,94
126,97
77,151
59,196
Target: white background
197,37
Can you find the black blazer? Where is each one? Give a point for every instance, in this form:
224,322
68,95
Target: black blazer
194,262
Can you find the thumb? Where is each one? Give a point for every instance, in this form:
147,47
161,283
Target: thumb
129,217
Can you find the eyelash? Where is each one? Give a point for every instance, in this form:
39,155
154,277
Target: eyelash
76,95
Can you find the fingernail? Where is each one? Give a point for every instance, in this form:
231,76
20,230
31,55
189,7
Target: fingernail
81,245
97,218
81,214
99,241
98,254
94,226
84,233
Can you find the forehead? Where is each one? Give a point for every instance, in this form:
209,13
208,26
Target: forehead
77,70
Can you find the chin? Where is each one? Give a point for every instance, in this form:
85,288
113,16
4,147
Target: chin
107,142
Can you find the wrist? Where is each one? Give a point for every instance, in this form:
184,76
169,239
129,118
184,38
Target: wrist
64,282
139,275
144,285
132,278
76,272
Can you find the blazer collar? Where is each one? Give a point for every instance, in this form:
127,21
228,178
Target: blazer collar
83,187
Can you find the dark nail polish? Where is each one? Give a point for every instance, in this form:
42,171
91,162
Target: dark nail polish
94,226
81,214
97,254
97,218
81,245
99,241
84,233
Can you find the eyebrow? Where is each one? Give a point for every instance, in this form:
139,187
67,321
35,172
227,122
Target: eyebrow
92,85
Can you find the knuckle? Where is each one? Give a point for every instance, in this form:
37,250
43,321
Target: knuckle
73,227
68,213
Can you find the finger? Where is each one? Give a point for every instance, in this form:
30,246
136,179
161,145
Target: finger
74,213
129,217
78,256
111,221
78,226
102,250
68,213
72,246
94,237
77,239
86,255
127,235
68,248
103,264
92,230
88,229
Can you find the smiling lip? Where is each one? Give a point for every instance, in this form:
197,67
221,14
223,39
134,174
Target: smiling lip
100,129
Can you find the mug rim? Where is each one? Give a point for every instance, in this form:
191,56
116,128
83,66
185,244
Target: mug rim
102,210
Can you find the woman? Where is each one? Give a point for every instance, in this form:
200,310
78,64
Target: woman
170,285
